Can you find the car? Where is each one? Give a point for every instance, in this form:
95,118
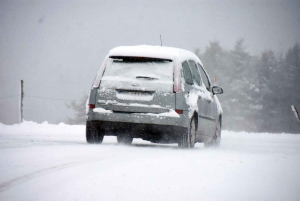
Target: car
159,94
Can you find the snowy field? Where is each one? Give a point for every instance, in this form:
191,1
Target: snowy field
53,162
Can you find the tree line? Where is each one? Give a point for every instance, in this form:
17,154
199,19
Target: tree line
259,89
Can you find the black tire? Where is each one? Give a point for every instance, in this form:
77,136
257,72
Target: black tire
93,135
216,140
188,140
125,139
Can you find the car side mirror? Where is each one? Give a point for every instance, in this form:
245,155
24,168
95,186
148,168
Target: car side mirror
217,90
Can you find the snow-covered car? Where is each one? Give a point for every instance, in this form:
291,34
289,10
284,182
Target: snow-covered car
159,94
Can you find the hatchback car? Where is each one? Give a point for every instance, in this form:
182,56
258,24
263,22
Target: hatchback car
158,94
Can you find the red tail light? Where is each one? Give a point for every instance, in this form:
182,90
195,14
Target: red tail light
179,111
92,106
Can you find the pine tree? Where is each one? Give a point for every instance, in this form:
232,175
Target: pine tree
289,89
259,90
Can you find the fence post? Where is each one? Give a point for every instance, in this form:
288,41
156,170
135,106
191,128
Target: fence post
296,113
21,103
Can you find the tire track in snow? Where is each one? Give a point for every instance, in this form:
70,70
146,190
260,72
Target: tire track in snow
9,184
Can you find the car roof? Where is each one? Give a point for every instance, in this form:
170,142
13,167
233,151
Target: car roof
162,52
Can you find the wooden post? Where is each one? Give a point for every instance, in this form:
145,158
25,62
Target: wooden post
160,40
22,97
296,113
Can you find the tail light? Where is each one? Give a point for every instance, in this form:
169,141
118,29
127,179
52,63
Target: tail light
179,111
177,78
92,106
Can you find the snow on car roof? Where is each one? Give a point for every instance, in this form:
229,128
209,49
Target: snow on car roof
150,51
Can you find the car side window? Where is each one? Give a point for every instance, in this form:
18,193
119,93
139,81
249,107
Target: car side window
195,72
204,77
187,73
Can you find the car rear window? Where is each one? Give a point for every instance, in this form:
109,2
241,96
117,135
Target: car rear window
139,69
195,72
187,73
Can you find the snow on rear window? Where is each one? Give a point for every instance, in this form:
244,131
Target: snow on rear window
154,72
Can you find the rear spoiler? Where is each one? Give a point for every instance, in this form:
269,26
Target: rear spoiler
139,59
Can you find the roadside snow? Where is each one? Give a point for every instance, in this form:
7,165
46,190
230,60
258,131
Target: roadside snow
53,162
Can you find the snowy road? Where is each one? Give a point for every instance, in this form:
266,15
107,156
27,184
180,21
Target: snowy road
53,162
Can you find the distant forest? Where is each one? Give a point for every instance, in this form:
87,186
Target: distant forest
258,90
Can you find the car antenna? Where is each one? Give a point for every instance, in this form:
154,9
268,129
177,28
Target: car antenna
160,41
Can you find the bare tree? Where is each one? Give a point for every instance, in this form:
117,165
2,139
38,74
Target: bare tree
79,107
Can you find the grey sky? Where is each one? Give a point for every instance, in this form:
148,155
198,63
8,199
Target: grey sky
58,46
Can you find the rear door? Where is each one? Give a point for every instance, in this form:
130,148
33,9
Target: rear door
210,105
132,84
201,101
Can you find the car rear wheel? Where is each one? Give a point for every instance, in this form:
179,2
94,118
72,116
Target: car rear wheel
93,135
188,139
124,139
216,140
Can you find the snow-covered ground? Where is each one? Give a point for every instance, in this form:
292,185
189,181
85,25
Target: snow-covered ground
53,162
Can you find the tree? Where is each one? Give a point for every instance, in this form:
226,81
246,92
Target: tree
259,90
232,69
287,89
267,68
80,111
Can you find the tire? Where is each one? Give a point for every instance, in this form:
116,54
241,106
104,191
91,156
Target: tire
216,140
93,135
125,139
188,140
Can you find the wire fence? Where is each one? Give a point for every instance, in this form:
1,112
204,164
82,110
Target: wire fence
11,96
39,97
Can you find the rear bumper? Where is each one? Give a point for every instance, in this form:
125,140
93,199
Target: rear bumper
150,127
150,132
180,121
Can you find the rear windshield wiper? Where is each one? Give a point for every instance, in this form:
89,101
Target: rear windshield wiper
146,78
